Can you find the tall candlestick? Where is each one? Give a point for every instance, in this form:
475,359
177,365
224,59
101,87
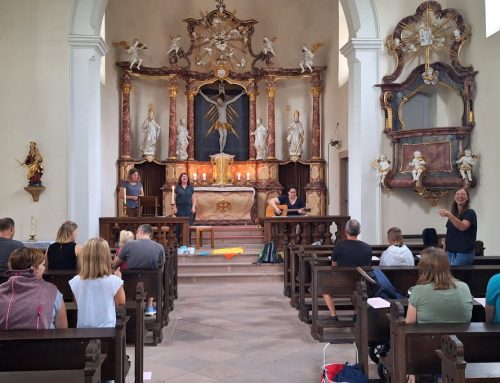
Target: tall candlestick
248,176
195,176
238,176
204,176
173,191
124,195
33,226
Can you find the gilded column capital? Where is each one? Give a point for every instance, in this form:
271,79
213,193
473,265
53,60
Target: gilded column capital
316,91
271,91
252,96
191,95
172,91
126,88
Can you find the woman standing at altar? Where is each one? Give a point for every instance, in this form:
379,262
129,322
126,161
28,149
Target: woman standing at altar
132,189
185,199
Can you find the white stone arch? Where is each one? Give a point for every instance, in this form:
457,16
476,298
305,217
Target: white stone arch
362,52
84,174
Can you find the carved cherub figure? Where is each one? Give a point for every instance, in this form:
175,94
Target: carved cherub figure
466,164
132,51
307,57
383,167
418,165
267,45
174,45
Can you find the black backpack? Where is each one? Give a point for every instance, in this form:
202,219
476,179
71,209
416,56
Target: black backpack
269,254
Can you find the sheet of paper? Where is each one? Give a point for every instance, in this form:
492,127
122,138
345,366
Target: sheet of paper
374,258
146,375
481,301
378,303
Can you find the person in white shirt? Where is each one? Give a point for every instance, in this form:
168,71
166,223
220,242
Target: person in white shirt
97,290
396,254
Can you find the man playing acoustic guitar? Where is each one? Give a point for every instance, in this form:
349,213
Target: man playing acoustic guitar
293,204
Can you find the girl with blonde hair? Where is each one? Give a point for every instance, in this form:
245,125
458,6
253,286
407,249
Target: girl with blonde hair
62,254
96,289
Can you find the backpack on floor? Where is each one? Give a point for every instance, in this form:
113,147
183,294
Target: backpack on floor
269,254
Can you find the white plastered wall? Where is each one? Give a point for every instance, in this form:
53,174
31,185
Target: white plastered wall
34,107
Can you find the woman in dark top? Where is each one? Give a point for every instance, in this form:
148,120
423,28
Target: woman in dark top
461,230
291,200
185,199
62,254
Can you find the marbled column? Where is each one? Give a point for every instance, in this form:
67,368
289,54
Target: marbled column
252,95
172,117
316,127
191,93
126,87
271,140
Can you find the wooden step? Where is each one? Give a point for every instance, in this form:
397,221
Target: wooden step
218,269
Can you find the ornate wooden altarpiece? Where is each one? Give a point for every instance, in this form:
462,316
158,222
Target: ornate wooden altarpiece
431,31
221,51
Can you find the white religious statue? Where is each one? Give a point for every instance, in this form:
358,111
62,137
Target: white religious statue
182,140
295,137
466,164
430,76
260,143
133,53
383,167
222,125
418,165
267,45
307,59
174,45
151,133
132,50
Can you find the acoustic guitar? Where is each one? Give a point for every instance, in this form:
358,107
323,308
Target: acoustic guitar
284,211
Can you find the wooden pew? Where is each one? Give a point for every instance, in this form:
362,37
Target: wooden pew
341,282
455,369
137,307
153,281
33,350
84,366
303,258
411,345
373,325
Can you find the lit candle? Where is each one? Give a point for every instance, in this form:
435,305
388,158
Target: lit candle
195,176
248,176
173,191
204,176
238,176
33,226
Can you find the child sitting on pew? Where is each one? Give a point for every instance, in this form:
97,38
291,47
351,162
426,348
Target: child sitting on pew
396,254
125,236
95,288
26,300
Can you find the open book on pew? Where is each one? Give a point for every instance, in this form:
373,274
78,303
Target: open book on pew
378,303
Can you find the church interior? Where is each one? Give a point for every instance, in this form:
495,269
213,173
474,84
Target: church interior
377,110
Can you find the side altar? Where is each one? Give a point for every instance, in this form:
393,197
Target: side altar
227,151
